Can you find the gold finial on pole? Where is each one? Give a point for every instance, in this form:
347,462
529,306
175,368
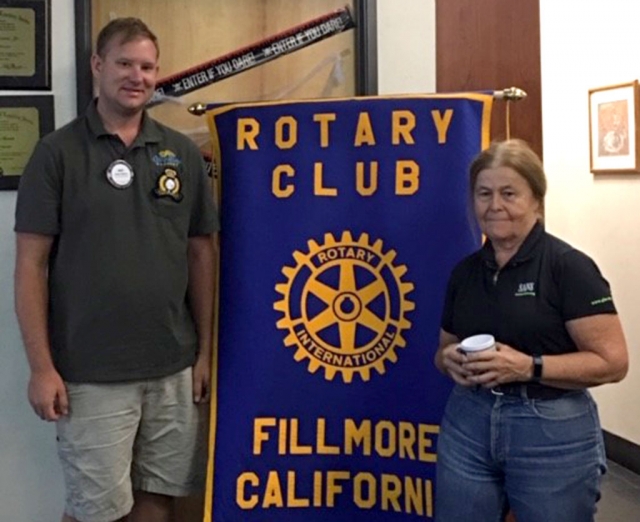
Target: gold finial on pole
510,94
197,109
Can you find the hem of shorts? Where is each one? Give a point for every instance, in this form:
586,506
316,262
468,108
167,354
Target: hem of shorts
160,487
114,514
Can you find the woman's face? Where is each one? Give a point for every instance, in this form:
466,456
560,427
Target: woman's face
505,206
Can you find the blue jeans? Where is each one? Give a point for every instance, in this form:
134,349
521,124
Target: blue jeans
542,458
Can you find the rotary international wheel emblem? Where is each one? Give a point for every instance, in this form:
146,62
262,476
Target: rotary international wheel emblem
344,306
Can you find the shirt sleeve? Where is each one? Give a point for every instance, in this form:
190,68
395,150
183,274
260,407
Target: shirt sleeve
39,194
204,216
583,289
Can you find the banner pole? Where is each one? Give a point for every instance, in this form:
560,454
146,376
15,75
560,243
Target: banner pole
509,94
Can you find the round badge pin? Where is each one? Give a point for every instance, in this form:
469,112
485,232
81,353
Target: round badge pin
120,174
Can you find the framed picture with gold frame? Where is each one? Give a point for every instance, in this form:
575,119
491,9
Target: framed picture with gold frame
614,115
207,36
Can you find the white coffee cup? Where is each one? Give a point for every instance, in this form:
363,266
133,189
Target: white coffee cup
478,343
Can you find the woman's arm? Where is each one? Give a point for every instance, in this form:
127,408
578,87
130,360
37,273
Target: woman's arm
601,357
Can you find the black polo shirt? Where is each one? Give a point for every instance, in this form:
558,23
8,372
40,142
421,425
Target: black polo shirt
526,303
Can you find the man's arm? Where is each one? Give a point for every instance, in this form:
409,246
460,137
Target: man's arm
201,259
47,392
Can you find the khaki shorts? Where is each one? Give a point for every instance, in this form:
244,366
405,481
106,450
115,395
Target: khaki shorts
141,435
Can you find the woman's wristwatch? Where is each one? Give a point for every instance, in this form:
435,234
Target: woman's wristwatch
537,368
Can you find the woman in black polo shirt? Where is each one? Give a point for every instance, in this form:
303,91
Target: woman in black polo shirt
520,429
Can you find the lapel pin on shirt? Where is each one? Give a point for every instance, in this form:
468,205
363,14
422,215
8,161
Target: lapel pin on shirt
120,174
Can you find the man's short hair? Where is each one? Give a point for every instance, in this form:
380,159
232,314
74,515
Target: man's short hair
127,29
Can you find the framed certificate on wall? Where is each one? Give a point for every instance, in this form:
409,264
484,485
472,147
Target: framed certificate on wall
25,44
23,121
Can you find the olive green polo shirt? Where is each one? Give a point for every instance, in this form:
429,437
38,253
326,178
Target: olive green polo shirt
118,270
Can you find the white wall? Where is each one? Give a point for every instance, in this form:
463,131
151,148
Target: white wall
31,488
585,45
406,46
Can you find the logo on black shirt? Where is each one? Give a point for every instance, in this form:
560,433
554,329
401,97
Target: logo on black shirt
526,290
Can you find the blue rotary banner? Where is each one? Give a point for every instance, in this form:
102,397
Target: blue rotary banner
341,220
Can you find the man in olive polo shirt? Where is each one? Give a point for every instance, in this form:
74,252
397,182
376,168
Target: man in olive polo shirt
114,292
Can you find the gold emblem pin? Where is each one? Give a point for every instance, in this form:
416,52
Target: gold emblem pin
169,185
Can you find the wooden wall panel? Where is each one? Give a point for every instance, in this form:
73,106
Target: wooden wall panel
493,44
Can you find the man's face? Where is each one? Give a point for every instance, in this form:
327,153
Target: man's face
126,75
